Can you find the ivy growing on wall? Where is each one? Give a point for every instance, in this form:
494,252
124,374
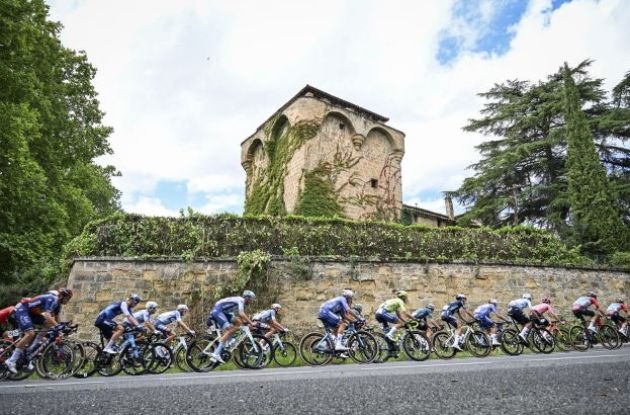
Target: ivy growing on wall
267,190
318,197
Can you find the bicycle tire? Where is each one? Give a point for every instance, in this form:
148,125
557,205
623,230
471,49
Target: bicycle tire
285,356
440,348
609,337
56,361
135,362
107,364
180,360
312,356
162,358
197,358
511,342
79,356
362,347
579,339
563,343
542,340
384,348
478,344
416,341
88,367
6,349
258,357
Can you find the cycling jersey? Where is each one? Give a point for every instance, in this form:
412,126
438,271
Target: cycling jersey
142,317
5,313
47,303
265,316
451,308
230,305
115,309
168,318
519,304
422,313
584,302
614,308
484,310
337,306
542,308
393,305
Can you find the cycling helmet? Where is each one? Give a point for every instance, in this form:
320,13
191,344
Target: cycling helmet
402,294
276,306
527,296
152,305
620,301
358,308
182,307
249,294
493,301
348,293
54,292
546,300
430,306
592,294
135,297
460,297
65,292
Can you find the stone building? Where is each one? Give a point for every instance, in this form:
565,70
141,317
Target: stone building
319,155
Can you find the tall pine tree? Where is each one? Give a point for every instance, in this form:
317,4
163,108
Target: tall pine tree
595,220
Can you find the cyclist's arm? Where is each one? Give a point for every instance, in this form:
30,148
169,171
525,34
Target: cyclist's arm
407,315
149,325
130,318
349,316
184,326
49,319
245,319
275,325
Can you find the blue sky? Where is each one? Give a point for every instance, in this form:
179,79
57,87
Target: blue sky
183,83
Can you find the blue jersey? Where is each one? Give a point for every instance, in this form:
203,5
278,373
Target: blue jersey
47,303
337,305
115,309
453,308
484,310
169,317
422,313
230,305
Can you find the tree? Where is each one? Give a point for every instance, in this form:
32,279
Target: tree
595,221
51,132
521,177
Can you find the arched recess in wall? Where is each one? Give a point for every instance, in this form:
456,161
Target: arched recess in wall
278,134
256,157
337,129
378,145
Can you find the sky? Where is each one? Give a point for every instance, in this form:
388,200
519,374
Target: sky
184,82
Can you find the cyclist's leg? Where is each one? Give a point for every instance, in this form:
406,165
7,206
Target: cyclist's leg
25,324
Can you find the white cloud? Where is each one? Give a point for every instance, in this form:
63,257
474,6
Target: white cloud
183,83
150,206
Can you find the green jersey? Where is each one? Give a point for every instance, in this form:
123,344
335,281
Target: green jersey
393,305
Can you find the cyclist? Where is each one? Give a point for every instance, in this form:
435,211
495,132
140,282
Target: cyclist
538,312
111,330
516,310
617,312
392,311
422,314
143,317
266,320
229,314
483,315
42,306
357,311
165,319
581,309
333,314
7,321
448,315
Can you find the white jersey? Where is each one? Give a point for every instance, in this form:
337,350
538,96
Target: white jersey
169,317
265,316
142,317
520,304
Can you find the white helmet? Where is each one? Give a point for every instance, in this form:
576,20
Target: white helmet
152,305
276,306
348,293
493,301
527,296
182,307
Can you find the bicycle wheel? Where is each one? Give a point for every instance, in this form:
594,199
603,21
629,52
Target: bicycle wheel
563,343
362,347
6,349
478,344
56,361
257,354
198,354
440,345
316,349
79,356
609,337
162,358
285,355
88,367
384,351
511,342
416,345
180,360
579,339
542,340
108,364
135,360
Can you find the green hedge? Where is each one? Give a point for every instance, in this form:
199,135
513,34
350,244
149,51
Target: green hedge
197,236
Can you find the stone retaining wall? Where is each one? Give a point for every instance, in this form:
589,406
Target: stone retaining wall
304,285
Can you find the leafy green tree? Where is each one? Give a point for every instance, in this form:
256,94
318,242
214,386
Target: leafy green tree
521,177
51,132
595,221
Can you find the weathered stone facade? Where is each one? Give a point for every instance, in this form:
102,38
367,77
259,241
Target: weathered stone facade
351,150
303,286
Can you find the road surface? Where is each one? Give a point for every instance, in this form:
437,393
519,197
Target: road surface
561,383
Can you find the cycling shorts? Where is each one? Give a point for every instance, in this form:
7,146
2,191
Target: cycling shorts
106,327
450,320
163,328
221,319
24,321
422,324
485,322
330,319
384,317
518,315
617,318
580,313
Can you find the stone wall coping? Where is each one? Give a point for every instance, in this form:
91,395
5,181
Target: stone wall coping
332,259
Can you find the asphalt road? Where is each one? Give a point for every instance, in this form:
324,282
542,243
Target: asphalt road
561,383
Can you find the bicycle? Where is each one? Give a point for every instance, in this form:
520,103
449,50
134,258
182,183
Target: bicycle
539,339
561,335
284,352
583,338
319,349
414,342
130,358
160,352
253,351
475,341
